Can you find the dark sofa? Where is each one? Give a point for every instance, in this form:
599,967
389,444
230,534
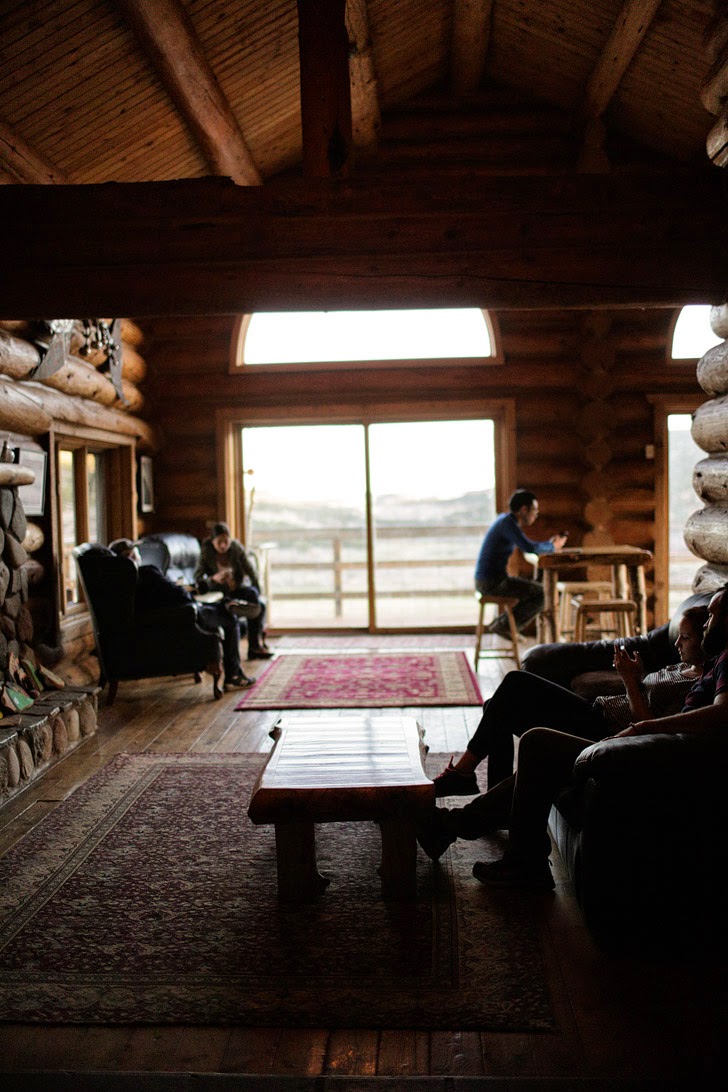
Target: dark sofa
642,825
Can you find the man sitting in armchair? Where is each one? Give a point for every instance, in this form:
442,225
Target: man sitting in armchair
154,590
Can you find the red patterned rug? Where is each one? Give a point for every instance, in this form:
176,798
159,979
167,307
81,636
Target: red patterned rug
149,897
364,680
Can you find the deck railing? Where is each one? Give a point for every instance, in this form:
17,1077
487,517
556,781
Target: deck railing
331,564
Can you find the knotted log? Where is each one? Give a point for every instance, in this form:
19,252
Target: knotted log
710,425
710,479
710,579
82,411
712,370
21,413
10,474
719,320
706,533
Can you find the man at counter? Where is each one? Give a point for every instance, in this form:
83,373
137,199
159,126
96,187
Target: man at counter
503,536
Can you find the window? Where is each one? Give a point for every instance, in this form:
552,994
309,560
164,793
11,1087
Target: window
327,337
95,499
371,524
693,336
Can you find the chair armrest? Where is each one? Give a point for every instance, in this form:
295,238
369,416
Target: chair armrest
183,615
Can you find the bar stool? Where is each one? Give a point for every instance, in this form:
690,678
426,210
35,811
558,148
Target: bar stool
574,592
504,605
623,611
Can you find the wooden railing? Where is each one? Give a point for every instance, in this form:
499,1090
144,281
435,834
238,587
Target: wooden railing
274,564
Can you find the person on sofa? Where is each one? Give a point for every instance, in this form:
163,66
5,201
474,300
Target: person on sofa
225,566
504,535
154,591
524,701
545,762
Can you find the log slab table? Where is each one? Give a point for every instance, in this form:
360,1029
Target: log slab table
340,770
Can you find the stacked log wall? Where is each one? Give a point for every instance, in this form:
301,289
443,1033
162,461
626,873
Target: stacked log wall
706,532
577,380
77,394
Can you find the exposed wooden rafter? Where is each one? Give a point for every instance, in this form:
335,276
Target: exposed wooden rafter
19,160
323,45
621,239
365,114
470,40
714,92
164,31
630,27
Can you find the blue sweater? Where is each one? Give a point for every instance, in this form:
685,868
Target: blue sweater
503,535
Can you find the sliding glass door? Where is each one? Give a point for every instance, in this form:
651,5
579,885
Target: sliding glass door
369,526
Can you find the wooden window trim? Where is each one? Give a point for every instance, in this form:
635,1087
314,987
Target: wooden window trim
229,421
665,404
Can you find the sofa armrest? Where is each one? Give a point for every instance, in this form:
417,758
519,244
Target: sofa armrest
651,758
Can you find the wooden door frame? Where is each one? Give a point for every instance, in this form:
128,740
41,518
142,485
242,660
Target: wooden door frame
665,404
229,422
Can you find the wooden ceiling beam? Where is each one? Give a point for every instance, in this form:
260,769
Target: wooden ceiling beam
630,27
366,120
323,45
206,246
469,49
19,161
165,33
714,92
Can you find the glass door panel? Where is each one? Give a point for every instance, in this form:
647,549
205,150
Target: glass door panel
433,496
304,501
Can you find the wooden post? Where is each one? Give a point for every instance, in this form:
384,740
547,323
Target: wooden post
325,90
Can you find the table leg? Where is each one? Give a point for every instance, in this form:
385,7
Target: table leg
549,617
398,870
298,877
641,598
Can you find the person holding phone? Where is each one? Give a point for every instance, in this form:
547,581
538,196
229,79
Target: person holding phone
505,534
523,701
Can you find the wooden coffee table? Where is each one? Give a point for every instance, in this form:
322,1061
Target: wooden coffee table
340,770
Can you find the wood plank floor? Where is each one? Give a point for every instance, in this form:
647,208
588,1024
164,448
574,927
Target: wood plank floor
617,1018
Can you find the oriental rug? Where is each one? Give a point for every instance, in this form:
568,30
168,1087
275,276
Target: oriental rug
364,680
149,897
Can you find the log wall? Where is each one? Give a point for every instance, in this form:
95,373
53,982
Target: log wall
706,532
78,394
580,383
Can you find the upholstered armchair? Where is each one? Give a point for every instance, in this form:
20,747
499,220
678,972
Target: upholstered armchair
168,641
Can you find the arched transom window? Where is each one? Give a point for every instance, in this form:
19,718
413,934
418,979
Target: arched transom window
314,337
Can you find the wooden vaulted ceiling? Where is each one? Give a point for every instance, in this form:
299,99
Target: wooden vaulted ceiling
143,90
452,103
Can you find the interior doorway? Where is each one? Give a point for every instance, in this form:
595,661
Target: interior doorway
369,525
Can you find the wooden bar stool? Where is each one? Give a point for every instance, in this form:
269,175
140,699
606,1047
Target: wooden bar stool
503,605
574,592
623,612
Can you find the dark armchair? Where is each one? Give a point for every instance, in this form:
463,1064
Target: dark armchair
160,642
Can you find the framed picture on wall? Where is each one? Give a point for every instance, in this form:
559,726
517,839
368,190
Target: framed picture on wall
33,496
146,484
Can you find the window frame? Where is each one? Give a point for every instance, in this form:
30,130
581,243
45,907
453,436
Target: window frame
119,493
237,364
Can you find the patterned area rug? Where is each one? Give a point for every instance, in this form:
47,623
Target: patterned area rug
364,680
149,897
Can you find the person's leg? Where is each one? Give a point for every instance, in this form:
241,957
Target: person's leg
530,602
488,812
218,617
255,625
521,701
545,763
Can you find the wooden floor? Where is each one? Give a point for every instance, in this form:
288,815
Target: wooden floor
618,1019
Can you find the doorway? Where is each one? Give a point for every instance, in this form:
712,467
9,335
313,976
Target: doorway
369,525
